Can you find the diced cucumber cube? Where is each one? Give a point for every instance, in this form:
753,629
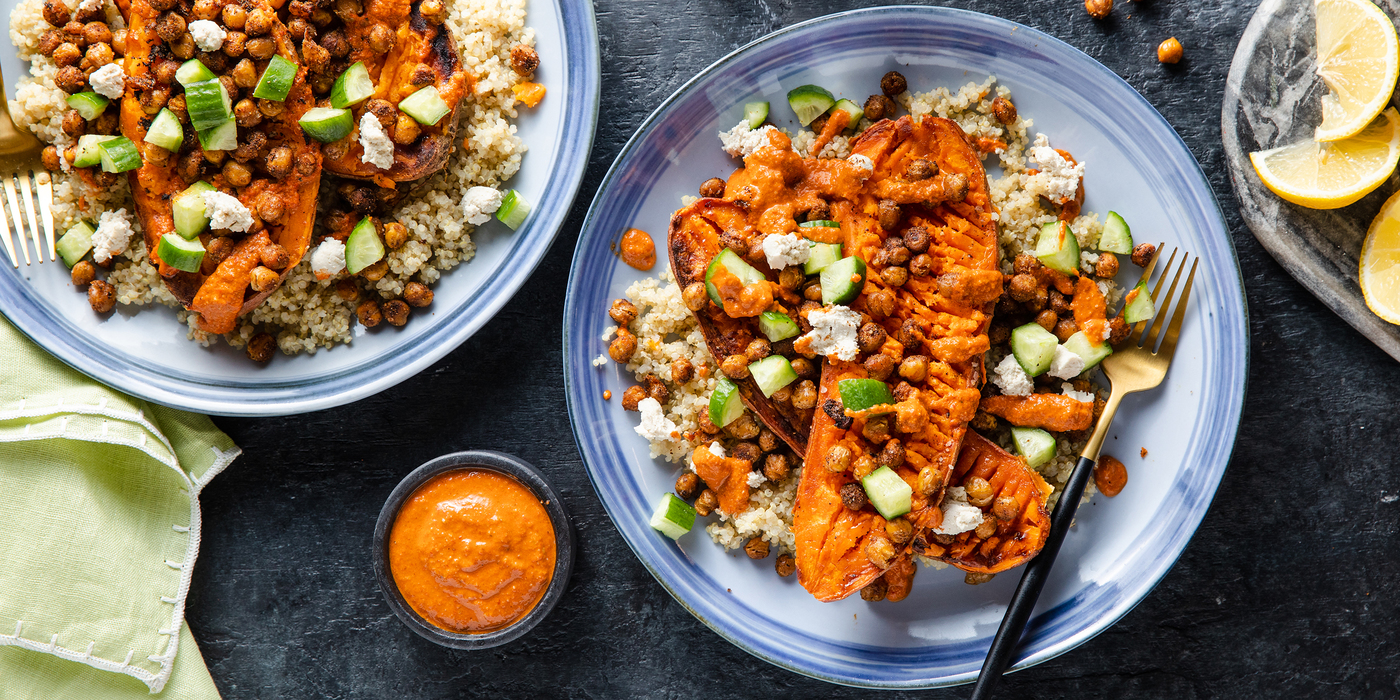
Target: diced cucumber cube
888,492
777,326
208,104
821,255
165,131
673,517
843,280
327,124
187,209
75,243
277,80
363,248
425,106
192,71
736,266
725,403
1036,445
179,253
755,113
851,109
513,209
89,104
820,223
1138,304
809,102
1057,248
1093,353
88,152
1116,236
1034,348
118,155
860,394
223,137
772,373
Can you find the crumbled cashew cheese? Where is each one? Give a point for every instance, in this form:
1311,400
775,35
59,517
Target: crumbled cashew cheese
1057,180
785,249
717,449
328,259
655,425
379,149
1012,379
112,235
1066,364
959,516
742,142
479,203
226,212
861,161
108,81
207,35
834,332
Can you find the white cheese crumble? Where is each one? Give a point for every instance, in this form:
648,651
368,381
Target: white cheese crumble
89,6
207,35
785,249
112,234
742,142
717,449
756,479
1068,390
1066,364
108,81
379,149
328,259
959,516
655,425
861,161
479,203
1057,180
226,212
834,331
1012,379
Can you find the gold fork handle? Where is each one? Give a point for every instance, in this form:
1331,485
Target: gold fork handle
1091,448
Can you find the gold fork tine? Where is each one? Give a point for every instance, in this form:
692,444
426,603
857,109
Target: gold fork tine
5,228
45,182
1174,329
1161,318
27,195
18,222
1147,271
1140,329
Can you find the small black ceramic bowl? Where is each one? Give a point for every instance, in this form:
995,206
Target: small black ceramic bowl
517,469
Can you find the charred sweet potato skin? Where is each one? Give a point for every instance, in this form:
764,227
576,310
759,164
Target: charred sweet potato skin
153,187
417,42
1018,539
693,241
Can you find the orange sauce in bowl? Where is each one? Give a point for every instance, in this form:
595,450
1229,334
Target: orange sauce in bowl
637,249
472,551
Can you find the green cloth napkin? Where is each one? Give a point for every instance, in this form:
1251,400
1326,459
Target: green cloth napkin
99,528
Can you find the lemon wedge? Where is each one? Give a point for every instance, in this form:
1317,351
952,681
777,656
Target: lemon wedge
1380,262
1333,174
1358,57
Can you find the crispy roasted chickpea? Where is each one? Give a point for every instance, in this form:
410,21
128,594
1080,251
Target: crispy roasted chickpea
879,366
395,312
73,123
819,212
274,257
1118,330
986,528
263,279
49,41
695,296
707,501
1005,508
974,579
1065,328
102,296
921,265
623,346
813,291
622,312
67,54
979,491
260,347
1098,9
235,17
1170,51
154,100
524,60
758,349
417,294
406,129
119,42
347,289
838,459
713,187
1142,254
893,84
804,367
190,165
914,368
688,486
853,496
98,33
880,303
50,158
70,79
1107,266
862,466
805,395
237,174
875,591
1047,319
258,22
895,276
422,75
215,252
633,397
56,13
735,366
1004,110
682,370
433,11
73,33
745,427
785,565
270,206
783,394
206,9
870,337
892,455
245,74
83,273
97,55
155,155
1022,287
747,451
880,552
383,111
170,27
381,38
878,107
889,213
900,530
183,48
260,48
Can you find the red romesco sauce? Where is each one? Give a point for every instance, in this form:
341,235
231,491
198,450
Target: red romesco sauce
472,551
638,249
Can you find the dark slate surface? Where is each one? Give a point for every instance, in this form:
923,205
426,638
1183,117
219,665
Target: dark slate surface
1288,589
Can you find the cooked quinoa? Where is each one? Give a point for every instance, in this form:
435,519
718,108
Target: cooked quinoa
666,330
306,314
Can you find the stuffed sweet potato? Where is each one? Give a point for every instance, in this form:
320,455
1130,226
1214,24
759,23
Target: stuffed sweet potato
262,160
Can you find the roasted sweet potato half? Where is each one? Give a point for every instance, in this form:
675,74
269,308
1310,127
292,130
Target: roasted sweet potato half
274,172
1016,506
404,51
697,234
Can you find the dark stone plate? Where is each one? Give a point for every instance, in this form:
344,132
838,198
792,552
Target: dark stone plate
1272,97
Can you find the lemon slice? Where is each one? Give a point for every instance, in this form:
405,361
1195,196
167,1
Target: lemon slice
1358,57
1380,262
1330,175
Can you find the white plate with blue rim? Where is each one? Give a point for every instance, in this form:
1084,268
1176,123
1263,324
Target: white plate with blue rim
1121,547
147,353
